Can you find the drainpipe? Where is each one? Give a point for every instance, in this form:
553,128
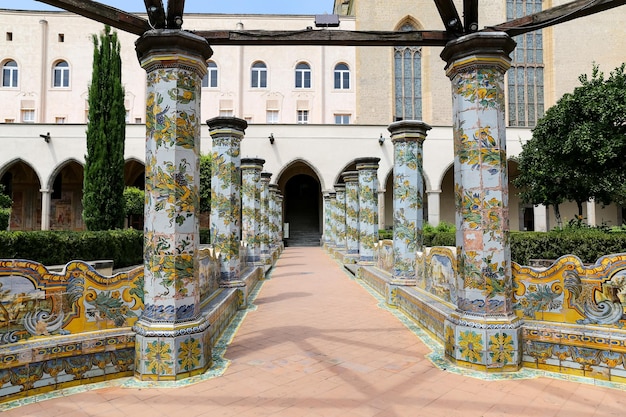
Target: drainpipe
44,70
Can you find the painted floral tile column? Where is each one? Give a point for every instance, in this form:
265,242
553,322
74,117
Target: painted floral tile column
273,221
333,215
340,217
172,340
251,205
408,197
327,219
486,333
351,179
264,235
368,208
280,214
226,135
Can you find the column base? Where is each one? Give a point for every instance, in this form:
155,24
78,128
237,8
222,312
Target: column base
171,351
487,343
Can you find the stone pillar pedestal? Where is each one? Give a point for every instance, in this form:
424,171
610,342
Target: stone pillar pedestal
226,135
484,333
340,217
408,198
264,235
46,200
251,206
172,340
368,208
351,179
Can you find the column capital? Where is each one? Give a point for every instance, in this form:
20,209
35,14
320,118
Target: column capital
350,176
367,163
227,126
173,48
478,49
266,176
339,187
408,131
252,163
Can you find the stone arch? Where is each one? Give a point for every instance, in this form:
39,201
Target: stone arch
301,186
408,20
23,185
134,173
66,185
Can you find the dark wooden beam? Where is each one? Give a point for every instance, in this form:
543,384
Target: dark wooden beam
175,13
555,15
104,14
449,16
470,15
325,37
156,13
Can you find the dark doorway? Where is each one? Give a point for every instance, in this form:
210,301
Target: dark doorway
302,210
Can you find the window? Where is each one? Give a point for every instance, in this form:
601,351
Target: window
303,117
28,116
9,36
226,113
342,77
525,77
9,120
61,74
407,81
9,74
342,119
259,75
61,37
210,79
271,116
303,75
59,120
138,120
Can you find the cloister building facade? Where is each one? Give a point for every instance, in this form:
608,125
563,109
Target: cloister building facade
311,110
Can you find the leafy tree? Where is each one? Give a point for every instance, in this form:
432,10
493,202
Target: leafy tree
134,201
5,209
103,189
205,183
578,147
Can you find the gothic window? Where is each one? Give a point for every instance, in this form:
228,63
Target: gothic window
407,81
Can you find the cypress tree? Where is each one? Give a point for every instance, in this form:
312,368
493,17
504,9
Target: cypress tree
103,188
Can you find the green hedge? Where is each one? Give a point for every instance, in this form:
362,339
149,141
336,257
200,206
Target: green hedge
124,247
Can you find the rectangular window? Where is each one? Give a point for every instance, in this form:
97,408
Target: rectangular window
9,36
138,120
271,116
9,120
226,113
59,120
303,117
28,116
342,119
61,37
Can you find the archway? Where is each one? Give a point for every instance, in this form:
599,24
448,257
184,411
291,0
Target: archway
302,205
22,184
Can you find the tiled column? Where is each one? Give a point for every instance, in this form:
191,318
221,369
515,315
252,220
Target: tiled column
251,205
280,219
333,214
226,135
368,208
340,217
485,333
408,197
273,223
351,179
172,339
327,222
264,235
46,200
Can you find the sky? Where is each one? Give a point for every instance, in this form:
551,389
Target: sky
307,7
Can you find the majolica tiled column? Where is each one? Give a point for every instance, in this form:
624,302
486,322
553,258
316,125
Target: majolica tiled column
226,135
327,221
368,208
340,217
351,179
408,197
486,333
172,338
251,205
333,214
264,235
273,221
279,201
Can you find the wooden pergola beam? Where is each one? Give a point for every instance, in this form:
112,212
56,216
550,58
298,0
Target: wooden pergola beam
449,16
555,15
470,15
156,13
104,14
175,13
325,37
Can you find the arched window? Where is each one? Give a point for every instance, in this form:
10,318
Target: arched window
259,75
303,75
210,79
9,74
407,81
61,74
342,77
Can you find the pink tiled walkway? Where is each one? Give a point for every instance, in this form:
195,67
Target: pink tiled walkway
318,345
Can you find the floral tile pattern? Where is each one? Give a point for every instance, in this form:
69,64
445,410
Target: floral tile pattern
340,217
368,207
251,205
351,179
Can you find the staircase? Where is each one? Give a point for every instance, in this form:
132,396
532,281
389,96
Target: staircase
303,237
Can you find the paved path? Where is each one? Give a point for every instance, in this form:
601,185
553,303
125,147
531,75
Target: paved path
318,345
